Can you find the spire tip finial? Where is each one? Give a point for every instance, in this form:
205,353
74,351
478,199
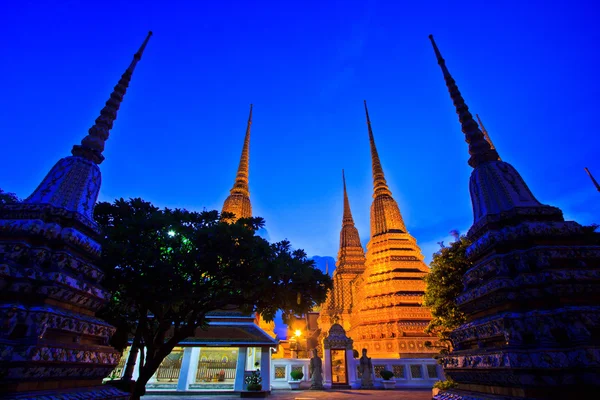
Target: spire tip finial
593,179
92,145
379,183
479,148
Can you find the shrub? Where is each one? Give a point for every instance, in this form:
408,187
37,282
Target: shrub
386,375
297,375
444,385
254,381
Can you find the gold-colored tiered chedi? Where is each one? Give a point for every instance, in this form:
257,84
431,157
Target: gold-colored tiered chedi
350,265
238,204
388,318
238,201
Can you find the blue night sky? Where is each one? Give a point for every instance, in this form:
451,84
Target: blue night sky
528,69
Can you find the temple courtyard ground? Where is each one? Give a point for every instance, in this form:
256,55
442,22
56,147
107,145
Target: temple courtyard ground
409,394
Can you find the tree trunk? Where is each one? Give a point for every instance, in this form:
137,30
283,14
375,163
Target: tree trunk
154,357
145,374
133,352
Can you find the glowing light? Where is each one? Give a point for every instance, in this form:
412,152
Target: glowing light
171,233
298,333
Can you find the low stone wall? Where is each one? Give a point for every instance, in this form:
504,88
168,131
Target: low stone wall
281,369
408,372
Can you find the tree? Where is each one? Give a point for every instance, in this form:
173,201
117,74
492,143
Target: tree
444,285
167,269
8,198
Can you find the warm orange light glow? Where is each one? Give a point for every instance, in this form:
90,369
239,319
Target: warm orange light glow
298,333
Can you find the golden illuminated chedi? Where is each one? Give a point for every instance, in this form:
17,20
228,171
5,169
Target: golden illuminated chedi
238,201
388,318
350,265
238,204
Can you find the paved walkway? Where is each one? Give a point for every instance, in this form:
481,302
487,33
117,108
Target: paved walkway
409,394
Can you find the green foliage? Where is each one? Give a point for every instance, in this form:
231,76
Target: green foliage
297,375
254,381
8,198
386,375
445,385
166,269
444,284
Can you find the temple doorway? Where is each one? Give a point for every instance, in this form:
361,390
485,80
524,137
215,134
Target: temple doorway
339,370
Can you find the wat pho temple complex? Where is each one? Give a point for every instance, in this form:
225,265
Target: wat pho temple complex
532,298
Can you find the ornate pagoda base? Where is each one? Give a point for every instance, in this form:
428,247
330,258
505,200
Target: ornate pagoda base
104,392
567,392
466,395
403,347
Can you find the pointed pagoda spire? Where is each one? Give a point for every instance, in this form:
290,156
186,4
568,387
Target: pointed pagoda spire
74,182
496,187
593,180
92,145
347,219
379,184
486,135
241,179
326,267
479,149
349,234
238,201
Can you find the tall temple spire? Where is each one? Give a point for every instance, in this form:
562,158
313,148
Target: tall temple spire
92,145
496,186
385,293
241,179
56,223
74,182
529,269
350,264
479,148
347,219
385,214
486,135
326,267
238,201
592,178
349,234
379,184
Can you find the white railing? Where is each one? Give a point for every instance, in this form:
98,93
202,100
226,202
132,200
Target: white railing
408,372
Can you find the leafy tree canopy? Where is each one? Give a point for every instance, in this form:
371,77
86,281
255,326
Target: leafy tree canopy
168,268
8,198
444,284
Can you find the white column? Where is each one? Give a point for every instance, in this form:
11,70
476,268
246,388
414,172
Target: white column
191,378
327,366
351,365
265,368
240,369
184,371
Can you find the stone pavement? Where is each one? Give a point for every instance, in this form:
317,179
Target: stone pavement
408,394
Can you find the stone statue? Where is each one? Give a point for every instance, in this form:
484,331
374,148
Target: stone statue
366,370
316,371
